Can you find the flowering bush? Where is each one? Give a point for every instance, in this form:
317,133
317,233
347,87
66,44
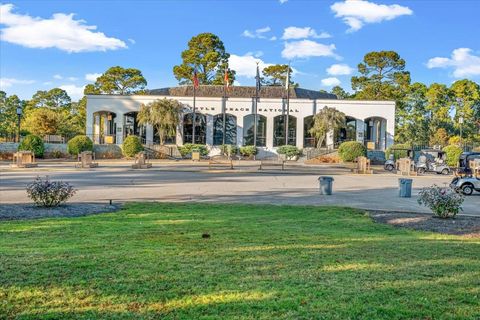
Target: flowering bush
443,201
46,193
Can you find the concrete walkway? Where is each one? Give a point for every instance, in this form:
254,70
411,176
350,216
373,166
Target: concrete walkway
298,185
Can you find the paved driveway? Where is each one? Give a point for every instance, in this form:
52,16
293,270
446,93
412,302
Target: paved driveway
298,186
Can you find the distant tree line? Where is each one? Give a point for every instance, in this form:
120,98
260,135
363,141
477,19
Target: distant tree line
425,114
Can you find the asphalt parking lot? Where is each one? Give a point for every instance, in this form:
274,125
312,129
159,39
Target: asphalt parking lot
298,185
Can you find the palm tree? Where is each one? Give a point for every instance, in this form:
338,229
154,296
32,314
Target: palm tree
328,119
163,115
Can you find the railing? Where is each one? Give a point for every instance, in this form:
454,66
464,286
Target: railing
317,152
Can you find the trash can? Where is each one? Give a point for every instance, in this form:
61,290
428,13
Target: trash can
405,187
325,185
195,155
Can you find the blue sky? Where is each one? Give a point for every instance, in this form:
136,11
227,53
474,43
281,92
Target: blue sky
42,46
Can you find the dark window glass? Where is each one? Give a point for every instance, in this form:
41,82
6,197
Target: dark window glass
248,130
230,129
279,130
200,128
309,140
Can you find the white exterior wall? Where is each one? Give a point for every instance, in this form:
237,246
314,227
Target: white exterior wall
240,107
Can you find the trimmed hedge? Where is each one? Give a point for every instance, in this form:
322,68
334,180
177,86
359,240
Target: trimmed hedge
350,150
397,154
32,143
187,149
289,151
78,144
453,154
131,146
248,151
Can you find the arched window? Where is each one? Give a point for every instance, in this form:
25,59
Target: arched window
349,133
279,130
375,132
200,128
230,129
309,140
132,128
248,130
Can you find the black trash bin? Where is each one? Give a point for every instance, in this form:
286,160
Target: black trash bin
405,186
325,185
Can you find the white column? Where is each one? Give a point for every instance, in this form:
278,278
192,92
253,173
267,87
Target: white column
330,140
209,122
180,132
269,142
149,134
360,131
120,128
96,129
239,131
300,132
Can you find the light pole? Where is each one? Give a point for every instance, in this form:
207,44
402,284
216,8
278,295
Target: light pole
460,121
19,114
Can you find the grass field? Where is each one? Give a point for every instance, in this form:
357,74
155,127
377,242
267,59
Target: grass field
149,261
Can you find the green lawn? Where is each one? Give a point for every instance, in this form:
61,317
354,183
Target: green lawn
261,262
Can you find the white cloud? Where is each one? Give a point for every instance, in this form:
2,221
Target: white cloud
72,78
259,33
132,41
246,65
60,31
339,70
73,91
8,82
47,83
282,1
330,82
92,76
57,76
302,33
307,48
357,13
273,38
464,63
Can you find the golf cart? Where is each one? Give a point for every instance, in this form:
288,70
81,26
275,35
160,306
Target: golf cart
389,165
466,182
432,160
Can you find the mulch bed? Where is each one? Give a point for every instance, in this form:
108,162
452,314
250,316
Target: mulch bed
30,211
460,225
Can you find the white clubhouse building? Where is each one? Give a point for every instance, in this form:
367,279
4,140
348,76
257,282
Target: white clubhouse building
110,118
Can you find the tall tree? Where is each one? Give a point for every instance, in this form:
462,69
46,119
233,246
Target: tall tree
413,125
383,76
340,93
55,98
118,80
325,121
42,121
439,106
207,54
8,113
466,101
276,75
162,114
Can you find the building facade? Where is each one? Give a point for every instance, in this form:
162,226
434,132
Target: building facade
110,118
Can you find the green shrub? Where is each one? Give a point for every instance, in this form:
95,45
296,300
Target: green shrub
33,143
289,151
453,154
189,147
350,150
229,149
131,146
397,154
46,193
78,144
248,151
